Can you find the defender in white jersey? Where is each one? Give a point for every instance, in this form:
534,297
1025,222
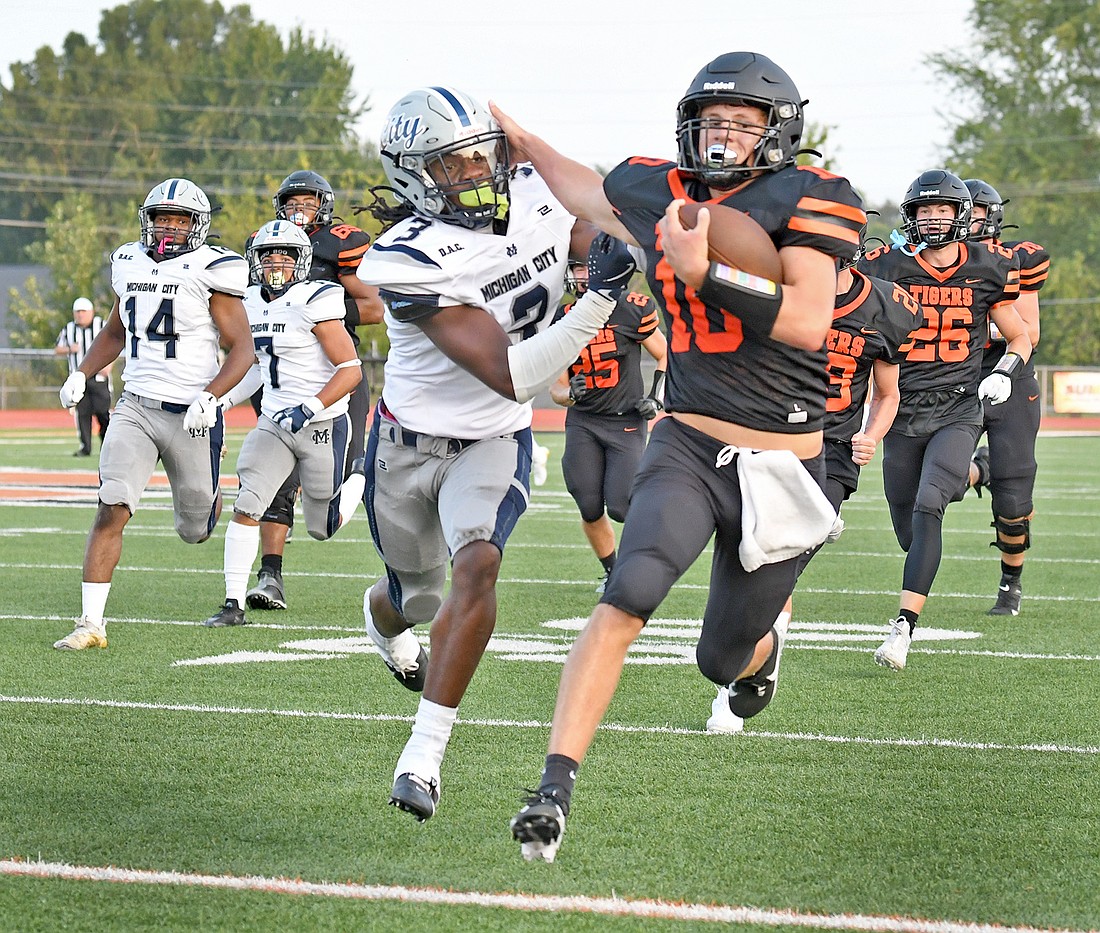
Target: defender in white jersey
177,298
307,366
471,280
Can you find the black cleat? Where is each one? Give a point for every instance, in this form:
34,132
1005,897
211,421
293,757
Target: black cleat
414,795
981,461
749,695
267,593
1009,594
539,826
229,614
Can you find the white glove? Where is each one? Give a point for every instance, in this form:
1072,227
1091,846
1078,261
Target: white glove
201,413
73,390
997,387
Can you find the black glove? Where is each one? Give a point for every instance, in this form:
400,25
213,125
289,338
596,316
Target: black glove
648,408
610,266
578,387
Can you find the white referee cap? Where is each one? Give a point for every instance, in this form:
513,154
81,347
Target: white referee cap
83,304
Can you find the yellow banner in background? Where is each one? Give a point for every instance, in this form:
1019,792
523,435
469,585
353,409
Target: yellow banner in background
1077,392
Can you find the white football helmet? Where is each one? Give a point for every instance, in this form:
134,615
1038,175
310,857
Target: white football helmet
176,196
283,236
432,137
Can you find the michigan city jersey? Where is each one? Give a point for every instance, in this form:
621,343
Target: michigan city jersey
292,363
944,354
715,367
1034,268
870,322
421,264
172,347
611,361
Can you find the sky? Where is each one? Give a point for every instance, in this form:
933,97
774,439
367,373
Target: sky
600,79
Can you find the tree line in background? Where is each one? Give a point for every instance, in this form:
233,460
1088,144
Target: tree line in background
220,98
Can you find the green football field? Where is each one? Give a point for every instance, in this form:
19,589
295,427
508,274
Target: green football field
195,779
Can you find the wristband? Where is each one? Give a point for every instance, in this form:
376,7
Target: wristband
750,298
657,390
1010,364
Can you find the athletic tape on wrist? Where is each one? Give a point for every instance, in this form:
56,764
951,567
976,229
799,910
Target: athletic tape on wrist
752,299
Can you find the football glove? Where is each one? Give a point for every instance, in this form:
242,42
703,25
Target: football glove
201,413
997,387
610,266
73,390
296,418
648,407
578,387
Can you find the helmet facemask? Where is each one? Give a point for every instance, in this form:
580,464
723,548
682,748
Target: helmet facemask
946,230
175,196
574,283
455,198
281,238
717,165
309,183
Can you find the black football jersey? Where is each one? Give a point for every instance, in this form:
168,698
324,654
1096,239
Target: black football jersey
611,361
944,354
872,320
337,250
716,368
1034,268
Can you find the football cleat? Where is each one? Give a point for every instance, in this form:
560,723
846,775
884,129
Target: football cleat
602,585
722,719
85,635
414,795
229,614
267,593
981,462
749,695
1009,593
893,652
539,827
403,654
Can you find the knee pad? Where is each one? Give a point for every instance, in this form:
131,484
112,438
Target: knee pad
1014,530
933,500
639,585
281,509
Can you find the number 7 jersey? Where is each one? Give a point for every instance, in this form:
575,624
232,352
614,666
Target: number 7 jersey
171,348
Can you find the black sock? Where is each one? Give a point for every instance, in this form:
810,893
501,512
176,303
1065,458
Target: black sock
1010,574
558,777
272,563
911,617
608,562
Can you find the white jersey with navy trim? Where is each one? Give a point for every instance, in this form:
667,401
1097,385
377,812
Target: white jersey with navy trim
171,350
292,363
517,277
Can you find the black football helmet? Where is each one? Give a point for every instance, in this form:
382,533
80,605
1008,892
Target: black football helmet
936,186
306,182
740,78
983,194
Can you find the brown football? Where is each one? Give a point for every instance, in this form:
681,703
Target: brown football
736,240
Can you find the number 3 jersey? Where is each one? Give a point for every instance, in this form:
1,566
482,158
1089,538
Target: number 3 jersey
172,342
292,362
421,265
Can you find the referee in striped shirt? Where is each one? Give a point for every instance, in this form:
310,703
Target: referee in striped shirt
73,341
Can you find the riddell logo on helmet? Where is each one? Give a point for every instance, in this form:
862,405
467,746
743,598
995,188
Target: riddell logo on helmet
719,85
924,193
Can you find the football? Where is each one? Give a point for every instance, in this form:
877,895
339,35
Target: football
736,240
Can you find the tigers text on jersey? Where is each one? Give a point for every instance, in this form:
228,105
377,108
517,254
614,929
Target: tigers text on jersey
1034,268
611,361
944,354
172,348
518,278
716,368
870,322
292,362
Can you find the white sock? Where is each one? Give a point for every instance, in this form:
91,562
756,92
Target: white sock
241,544
423,753
781,622
351,494
93,602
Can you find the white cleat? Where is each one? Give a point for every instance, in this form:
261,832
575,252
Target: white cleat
85,635
894,651
403,654
723,720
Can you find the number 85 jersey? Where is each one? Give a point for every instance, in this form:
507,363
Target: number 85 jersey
171,349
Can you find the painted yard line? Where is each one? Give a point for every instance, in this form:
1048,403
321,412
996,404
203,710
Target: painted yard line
535,581
548,903
1044,747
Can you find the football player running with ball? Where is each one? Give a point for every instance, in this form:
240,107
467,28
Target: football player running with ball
746,392
308,367
176,297
471,277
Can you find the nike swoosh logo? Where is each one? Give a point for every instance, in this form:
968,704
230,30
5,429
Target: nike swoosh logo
1031,398
628,430
973,281
1003,588
868,330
